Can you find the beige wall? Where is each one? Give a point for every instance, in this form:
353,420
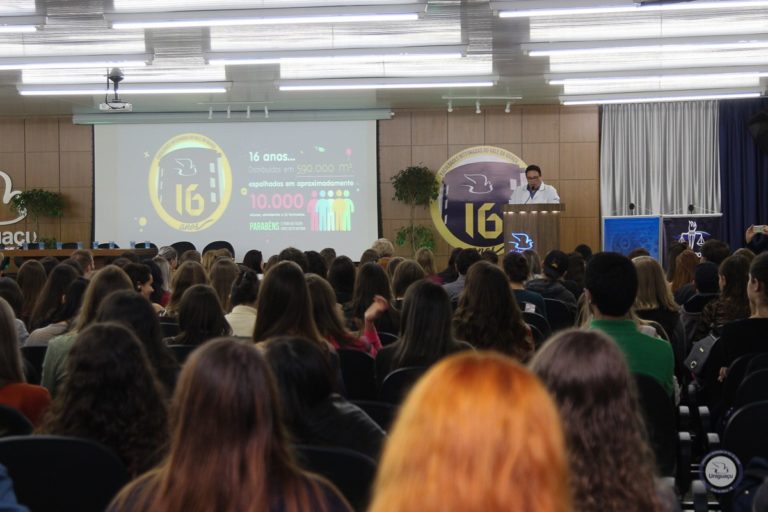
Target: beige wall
53,154
564,141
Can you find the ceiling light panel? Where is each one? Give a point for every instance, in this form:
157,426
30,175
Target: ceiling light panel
605,27
187,5
316,36
440,66
17,7
671,83
66,41
608,61
149,74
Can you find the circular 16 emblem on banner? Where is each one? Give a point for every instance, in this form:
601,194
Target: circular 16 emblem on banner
475,184
190,182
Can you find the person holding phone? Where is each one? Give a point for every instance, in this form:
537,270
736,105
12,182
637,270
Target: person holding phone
757,238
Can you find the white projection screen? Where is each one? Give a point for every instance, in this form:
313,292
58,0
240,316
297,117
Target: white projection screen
261,186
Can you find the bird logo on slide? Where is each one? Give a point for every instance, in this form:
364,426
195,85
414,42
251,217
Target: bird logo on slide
520,242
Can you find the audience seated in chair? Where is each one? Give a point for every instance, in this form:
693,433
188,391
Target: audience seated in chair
64,317
465,259
612,465
225,414
30,400
111,396
313,413
425,331
517,270
188,274
477,432
610,288
200,317
550,285
49,301
488,316
245,291
733,302
372,280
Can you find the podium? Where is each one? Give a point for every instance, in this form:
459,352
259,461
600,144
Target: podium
532,226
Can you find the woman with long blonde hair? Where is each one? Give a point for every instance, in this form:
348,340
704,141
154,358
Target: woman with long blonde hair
477,433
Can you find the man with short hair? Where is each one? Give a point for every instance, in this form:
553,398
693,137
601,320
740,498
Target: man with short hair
535,191
551,285
85,258
465,259
715,251
610,288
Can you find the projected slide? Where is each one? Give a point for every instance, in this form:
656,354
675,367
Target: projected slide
258,185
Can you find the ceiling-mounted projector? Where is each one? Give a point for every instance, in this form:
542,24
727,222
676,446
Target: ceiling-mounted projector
115,104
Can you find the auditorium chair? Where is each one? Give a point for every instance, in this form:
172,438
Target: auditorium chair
219,244
754,388
181,352
108,245
145,245
538,337
183,246
380,412
70,245
34,355
169,326
541,323
397,384
13,422
387,338
758,362
357,371
56,473
351,472
559,315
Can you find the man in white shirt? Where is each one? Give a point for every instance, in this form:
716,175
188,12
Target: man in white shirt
535,192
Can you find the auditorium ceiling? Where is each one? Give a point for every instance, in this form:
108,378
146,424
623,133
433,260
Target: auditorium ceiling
269,58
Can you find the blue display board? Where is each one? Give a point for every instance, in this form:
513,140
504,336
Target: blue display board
624,234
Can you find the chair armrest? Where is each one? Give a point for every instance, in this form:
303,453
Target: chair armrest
684,457
699,492
705,419
713,441
683,417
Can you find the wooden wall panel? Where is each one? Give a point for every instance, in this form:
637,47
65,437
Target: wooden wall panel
14,165
42,170
564,141
41,134
75,137
11,135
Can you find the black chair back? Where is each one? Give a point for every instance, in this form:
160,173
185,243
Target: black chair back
181,352
757,363
541,323
660,420
183,246
219,244
754,388
34,355
357,370
108,245
387,338
70,245
538,337
169,326
736,373
13,422
145,245
351,472
744,433
397,383
560,316
53,473
382,413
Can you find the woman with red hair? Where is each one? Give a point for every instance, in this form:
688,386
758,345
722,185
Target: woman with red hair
477,433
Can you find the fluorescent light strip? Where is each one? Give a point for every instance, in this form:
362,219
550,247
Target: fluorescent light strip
340,55
20,24
621,9
92,90
69,62
634,79
661,98
17,29
667,48
235,17
399,83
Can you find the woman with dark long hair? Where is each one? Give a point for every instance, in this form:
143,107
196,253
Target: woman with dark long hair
341,276
372,280
136,312
200,317
284,306
111,397
50,299
425,331
188,274
63,319
30,400
612,465
682,279
31,279
105,281
229,450
224,272
313,412
477,433
245,292
733,302
488,316
330,322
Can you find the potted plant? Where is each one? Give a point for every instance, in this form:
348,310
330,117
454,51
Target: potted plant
415,186
38,203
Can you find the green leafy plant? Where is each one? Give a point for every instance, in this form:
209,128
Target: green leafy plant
38,203
415,186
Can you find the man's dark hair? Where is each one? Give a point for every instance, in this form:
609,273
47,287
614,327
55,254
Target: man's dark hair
296,256
516,267
533,167
612,282
465,259
715,251
637,252
585,251
706,278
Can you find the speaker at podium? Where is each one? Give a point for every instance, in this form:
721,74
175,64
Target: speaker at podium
532,226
